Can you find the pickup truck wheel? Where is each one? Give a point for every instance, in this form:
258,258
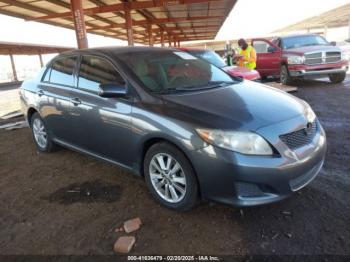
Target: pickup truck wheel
337,78
285,77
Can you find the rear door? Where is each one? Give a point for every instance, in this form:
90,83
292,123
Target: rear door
268,57
54,95
100,125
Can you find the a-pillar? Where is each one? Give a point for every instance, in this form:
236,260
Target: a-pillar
150,34
79,23
128,23
13,68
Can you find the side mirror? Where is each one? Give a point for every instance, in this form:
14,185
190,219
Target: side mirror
271,49
333,43
112,90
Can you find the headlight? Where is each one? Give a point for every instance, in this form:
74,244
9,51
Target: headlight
242,142
310,115
344,56
293,60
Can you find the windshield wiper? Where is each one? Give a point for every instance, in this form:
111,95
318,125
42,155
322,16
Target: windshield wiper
209,85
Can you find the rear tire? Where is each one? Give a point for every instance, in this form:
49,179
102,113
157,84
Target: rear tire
337,78
41,136
170,177
285,78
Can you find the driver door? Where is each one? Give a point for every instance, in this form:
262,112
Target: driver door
268,57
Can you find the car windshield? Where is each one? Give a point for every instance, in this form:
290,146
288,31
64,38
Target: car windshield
305,40
209,56
165,71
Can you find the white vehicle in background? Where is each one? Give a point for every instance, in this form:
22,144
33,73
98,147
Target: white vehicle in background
344,47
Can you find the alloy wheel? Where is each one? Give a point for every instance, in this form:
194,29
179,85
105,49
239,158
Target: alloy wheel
167,177
39,132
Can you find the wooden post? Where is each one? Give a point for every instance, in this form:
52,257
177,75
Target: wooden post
150,34
169,39
128,22
13,68
178,43
41,60
79,23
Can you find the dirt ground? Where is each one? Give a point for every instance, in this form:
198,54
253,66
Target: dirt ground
68,203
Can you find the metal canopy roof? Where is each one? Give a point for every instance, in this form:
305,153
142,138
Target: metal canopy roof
183,20
337,17
7,48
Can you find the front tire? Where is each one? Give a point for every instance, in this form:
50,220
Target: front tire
337,78
41,136
285,78
170,177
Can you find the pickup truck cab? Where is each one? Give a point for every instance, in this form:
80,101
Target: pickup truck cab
299,56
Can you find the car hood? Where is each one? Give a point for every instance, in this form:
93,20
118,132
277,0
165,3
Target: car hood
242,72
310,49
242,106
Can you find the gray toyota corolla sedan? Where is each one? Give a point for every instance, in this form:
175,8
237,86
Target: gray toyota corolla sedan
189,128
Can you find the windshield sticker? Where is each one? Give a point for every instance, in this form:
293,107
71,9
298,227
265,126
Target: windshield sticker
185,56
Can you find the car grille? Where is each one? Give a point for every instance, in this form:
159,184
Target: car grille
333,57
301,137
322,58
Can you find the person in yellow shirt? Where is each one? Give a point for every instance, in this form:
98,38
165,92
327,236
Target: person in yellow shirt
247,55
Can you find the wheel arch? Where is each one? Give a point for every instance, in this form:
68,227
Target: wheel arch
30,112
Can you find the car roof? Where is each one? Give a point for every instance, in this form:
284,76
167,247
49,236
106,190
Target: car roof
112,50
296,35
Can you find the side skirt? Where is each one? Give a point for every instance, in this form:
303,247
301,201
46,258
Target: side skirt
89,153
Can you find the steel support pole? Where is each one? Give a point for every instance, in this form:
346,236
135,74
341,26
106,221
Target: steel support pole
41,60
128,22
162,37
150,34
13,68
79,23
178,43
325,31
349,30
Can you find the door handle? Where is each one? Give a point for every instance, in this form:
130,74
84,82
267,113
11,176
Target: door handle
76,101
40,93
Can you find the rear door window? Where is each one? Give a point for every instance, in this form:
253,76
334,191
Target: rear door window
95,71
62,71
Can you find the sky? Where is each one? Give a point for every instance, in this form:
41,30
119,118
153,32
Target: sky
249,18
254,18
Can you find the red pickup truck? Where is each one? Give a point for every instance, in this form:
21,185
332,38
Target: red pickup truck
299,56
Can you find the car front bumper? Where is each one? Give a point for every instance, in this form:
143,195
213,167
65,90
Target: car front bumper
317,70
244,180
